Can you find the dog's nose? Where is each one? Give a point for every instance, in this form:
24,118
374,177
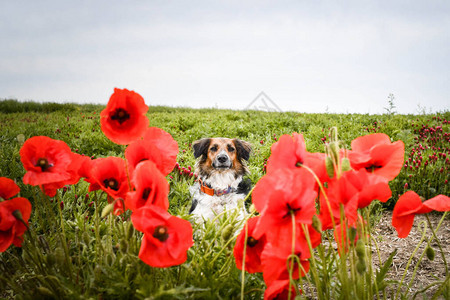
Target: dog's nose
222,158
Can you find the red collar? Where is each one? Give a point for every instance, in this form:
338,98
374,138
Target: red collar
210,191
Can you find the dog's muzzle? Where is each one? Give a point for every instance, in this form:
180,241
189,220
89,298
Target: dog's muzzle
222,161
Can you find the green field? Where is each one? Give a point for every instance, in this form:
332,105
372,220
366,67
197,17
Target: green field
104,262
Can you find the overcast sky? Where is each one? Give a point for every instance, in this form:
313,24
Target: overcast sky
307,56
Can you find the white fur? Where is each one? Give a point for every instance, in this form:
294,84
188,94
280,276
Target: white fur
208,207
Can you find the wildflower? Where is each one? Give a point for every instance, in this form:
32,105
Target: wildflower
14,215
353,190
376,154
166,238
157,146
290,152
123,120
279,289
277,262
254,248
108,174
46,160
151,188
281,196
8,188
409,204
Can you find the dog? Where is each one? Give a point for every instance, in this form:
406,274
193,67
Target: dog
220,168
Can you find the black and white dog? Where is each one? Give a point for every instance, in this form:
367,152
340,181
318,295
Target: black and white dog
220,167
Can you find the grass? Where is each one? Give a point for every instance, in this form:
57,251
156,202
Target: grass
103,259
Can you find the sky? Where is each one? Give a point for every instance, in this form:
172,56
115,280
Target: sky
307,56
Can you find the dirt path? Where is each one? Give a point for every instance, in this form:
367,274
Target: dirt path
428,271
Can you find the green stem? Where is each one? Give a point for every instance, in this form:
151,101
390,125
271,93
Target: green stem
437,240
411,257
243,262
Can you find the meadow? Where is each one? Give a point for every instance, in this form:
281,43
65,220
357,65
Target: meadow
85,253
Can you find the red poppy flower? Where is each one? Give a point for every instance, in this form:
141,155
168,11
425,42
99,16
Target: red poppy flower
8,188
11,228
151,188
438,203
353,190
290,152
73,170
280,195
407,206
279,290
46,160
157,146
110,175
376,154
123,120
166,238
253,249
275,263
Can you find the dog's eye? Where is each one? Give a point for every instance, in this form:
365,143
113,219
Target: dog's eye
213,149
230,148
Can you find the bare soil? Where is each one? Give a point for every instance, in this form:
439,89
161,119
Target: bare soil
428,271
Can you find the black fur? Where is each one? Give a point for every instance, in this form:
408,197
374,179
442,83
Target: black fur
243,149
244,186
193,206
201,148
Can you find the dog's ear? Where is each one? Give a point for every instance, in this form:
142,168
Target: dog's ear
243,149
200,147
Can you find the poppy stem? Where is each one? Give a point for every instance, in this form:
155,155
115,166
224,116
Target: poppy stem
322,190
437,240
424,224
243,262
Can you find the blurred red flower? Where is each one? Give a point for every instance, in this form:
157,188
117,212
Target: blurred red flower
409,204
109,175
276,266
11,227
157,146
438,203
8,188
166,238
151,188
46,160
290,152
72,169
353,190
279,290
278,196
124,120
376,154
253,249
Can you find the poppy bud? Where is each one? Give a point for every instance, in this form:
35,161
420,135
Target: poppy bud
430,253
45,292
107,210
329,166
86,238
21,139
360,249
227,232
50,259
352,234
123,246
130,230
345,166
60,256
316,224
361,266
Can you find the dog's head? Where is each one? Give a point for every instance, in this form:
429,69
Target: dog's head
221,155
